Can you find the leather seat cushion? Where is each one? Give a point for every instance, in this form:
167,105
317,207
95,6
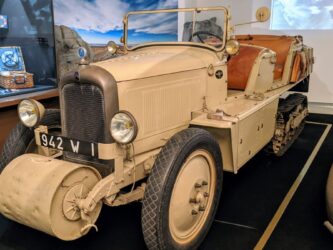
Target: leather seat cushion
240,66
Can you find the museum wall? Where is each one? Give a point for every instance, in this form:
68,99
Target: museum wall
321,87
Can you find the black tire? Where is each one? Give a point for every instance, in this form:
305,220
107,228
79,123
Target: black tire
155,215
21,137
329,196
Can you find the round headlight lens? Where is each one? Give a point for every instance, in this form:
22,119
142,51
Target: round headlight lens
112,47
232,47
123,127
29,113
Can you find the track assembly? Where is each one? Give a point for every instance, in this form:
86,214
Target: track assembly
290,122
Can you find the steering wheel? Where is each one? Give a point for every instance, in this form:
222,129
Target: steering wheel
198,33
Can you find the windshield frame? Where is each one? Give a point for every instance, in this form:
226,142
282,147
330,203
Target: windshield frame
178,10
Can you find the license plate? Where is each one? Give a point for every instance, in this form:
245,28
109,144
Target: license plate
69,145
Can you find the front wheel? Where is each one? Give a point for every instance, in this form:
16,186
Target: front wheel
182,191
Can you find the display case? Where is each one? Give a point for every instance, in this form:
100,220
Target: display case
27,27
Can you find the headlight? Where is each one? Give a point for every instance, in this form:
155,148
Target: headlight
232,47
123,127
30,112
112,47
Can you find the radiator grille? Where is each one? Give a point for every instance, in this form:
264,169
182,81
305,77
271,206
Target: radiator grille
84,114
84,119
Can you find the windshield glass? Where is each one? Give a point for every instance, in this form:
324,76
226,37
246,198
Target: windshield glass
204,26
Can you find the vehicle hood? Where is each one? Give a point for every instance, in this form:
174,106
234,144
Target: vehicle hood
155,62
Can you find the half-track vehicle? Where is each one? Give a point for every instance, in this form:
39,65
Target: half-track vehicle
160,123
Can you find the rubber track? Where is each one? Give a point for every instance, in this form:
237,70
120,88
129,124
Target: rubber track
286,107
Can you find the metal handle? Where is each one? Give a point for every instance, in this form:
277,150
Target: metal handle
18,79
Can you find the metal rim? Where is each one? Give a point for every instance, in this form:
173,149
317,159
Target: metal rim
70,204
192,197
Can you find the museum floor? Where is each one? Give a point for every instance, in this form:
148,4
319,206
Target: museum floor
249,202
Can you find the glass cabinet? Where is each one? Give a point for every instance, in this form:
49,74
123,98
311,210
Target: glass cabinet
28,24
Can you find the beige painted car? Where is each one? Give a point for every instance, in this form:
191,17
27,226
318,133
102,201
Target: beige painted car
160,123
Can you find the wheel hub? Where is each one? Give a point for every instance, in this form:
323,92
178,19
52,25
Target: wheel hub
191,198
70,206
199,197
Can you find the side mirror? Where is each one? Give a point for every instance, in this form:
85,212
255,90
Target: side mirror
263,14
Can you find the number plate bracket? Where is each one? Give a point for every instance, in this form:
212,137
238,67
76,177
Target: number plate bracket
43,150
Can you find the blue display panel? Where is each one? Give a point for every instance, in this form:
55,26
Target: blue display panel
11,59
302,15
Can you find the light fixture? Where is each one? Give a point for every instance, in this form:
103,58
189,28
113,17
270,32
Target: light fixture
123,127
30,112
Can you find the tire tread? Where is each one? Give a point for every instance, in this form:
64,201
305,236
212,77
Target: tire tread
160,172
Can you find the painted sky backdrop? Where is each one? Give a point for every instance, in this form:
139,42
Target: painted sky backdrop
99,21
302,14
